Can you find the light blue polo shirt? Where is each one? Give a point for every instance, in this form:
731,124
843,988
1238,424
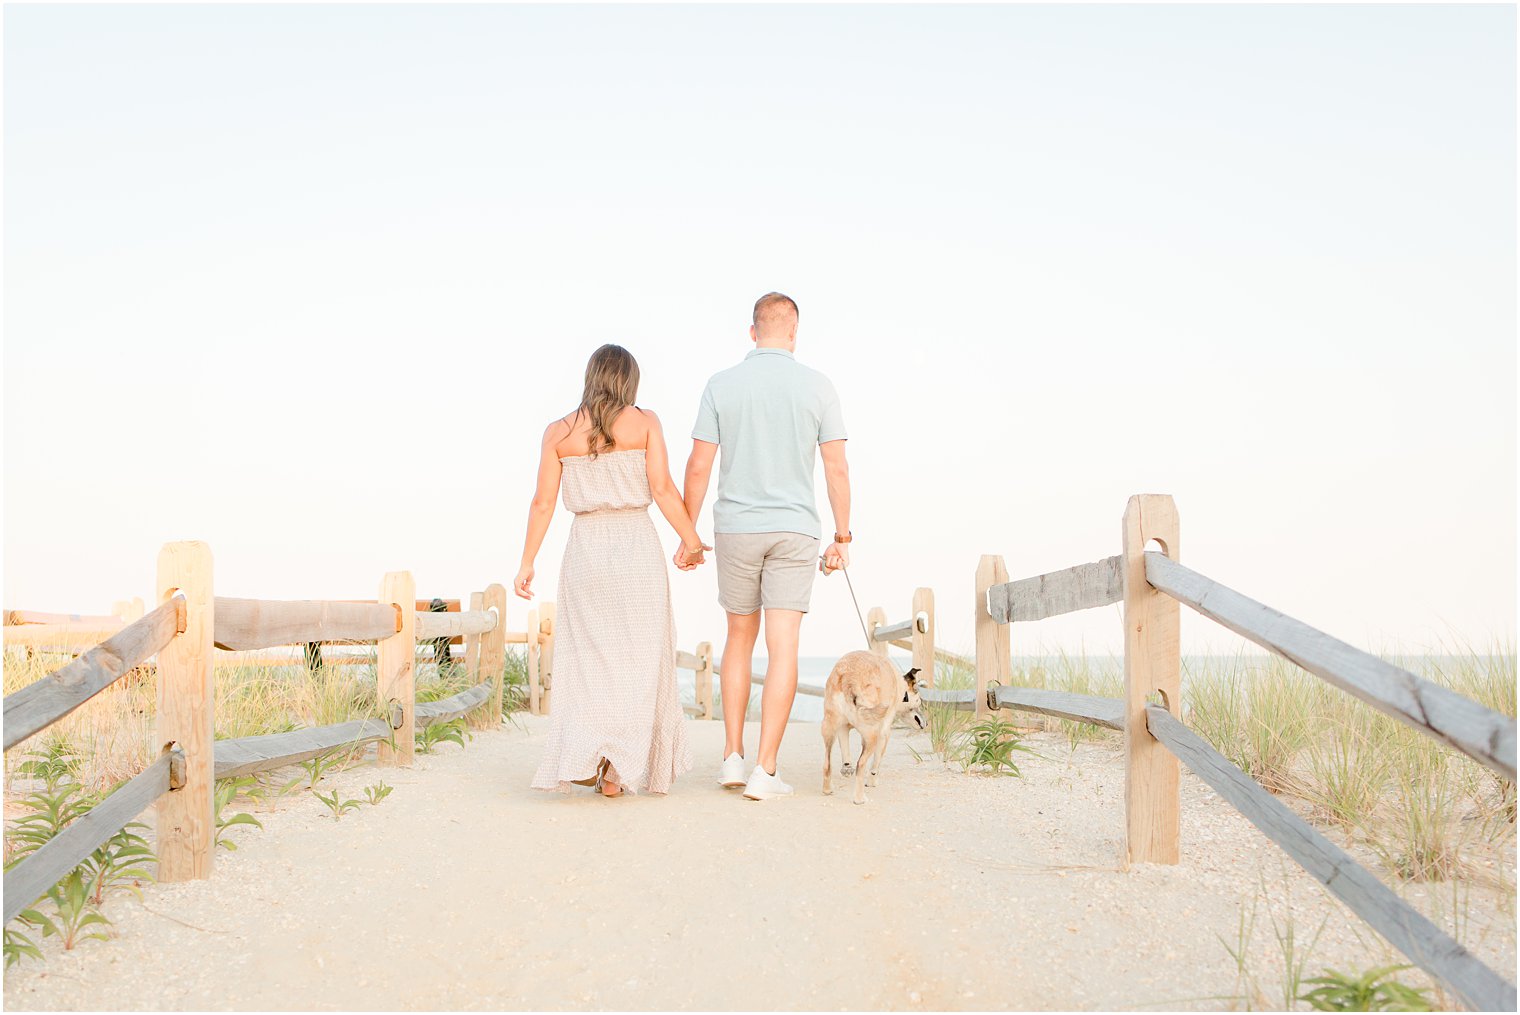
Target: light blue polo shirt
768,415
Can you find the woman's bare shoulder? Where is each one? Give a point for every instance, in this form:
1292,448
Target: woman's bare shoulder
559,430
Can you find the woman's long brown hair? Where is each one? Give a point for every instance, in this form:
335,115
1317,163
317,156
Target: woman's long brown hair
612,385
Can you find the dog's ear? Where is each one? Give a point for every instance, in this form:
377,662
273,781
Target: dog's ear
912,678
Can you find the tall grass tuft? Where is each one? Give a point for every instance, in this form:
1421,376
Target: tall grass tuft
1347,768
1257,713
1425,836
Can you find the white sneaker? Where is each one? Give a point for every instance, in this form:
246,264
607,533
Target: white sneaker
731,772
762,786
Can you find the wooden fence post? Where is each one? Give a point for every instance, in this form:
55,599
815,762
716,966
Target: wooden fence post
472,641
704,679
186,817
923,641
492,652
396,669
128,610
876,617
546,655
992,657
530,657
1152,664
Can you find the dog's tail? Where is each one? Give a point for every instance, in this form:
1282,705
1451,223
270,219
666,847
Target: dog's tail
870,699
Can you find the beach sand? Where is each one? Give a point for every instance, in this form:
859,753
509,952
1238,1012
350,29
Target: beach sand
464,889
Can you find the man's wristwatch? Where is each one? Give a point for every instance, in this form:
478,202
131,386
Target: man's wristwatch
844,538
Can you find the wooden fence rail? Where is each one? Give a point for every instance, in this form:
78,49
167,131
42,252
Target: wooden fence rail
453,625
180,635
1083,587
1480,733
247,755
1151,585
40,704
30,879
1429,947
244,624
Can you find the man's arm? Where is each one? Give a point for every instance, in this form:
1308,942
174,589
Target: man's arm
836,474
698,475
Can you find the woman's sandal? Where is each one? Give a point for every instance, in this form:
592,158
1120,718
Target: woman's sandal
594,781
601,785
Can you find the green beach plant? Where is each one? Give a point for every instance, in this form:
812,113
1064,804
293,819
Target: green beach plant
1374,990
227,791
73,913
47,812
336,804
378,792
122,861
334,760
451,732
990,745
57,761
18,945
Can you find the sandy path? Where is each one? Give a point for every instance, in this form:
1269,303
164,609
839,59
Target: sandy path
466,890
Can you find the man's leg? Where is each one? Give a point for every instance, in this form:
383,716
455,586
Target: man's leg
738,654
781,631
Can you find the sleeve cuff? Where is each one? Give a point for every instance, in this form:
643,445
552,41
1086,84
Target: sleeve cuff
824,438
698,435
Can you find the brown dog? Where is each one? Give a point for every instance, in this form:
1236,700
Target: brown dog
864,692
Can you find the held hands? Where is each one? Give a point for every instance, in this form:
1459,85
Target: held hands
834,558
523,583
688,558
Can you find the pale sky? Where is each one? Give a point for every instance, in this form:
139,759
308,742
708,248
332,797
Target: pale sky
308,282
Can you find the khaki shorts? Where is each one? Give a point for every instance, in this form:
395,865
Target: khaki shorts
773,570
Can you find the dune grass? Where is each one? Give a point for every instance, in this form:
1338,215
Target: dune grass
1418,806
110,737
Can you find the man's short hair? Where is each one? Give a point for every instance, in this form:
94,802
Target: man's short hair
775,310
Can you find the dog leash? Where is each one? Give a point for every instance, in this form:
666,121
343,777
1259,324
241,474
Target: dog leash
858,615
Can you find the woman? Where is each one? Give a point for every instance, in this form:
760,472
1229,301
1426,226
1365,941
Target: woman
616,721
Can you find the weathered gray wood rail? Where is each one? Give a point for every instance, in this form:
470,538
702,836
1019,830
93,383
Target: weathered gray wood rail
430,712
1151,585
963,701
813,690
1083,587
38,705
247,755
1480,733
1423,942
901,630
30,879
244,624
940,655
1107,712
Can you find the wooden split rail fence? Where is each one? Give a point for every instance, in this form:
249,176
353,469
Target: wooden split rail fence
915,635
183,633
1151,584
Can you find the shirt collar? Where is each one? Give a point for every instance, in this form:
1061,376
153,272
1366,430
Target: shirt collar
768,352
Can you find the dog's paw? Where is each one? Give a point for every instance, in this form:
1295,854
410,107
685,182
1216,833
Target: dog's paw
828,791
847,770
861,800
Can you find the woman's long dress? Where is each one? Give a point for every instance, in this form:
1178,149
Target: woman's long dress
615,693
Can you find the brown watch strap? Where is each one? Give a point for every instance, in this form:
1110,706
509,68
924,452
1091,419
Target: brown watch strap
844,538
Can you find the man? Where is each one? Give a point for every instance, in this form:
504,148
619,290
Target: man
767,414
